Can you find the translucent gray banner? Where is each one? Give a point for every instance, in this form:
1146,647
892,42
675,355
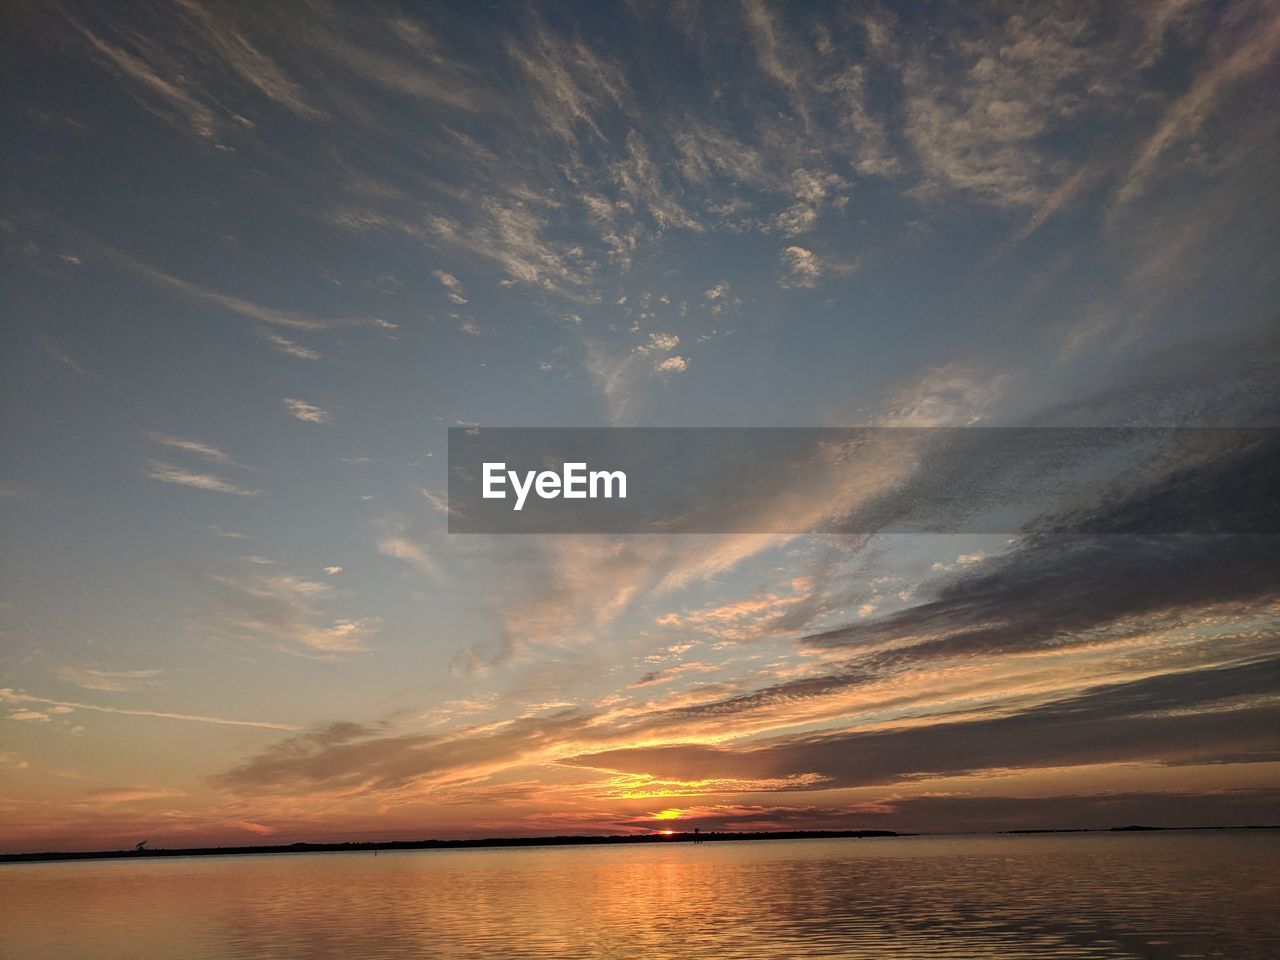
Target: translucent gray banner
865,480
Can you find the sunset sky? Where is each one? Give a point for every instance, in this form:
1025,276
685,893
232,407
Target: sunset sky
257,259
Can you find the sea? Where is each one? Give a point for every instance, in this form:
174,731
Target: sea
1096,895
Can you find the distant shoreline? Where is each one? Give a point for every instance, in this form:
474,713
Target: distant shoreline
560,841
376,845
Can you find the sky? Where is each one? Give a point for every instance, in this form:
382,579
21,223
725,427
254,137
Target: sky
258,259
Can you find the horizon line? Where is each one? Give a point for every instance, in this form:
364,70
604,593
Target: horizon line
687,836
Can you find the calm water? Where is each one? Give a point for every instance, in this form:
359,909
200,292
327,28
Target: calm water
1134,895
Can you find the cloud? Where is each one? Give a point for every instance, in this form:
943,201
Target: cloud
306,412
641,183
1048,595
1121,722
1070,189
567,590
10,695
568,81
511,229
954,395
761,614
54,350
952,812
263,605
290,347
1054,593
113,681
1078,570
438,501
345,757
1254,47
205,450
228,534
862,130
619,374
614,375
245,308
248,62
811,190
402,548
706,151
111,795
185,53
172,97
168,473
1059,590
980,107
667,674
774,55
804,268
401,56
451,284
658,343
1207,381
569,180
575,586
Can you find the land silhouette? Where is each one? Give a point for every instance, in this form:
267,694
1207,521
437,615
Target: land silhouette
696,836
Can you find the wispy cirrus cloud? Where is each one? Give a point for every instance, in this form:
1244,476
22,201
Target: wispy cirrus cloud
247,308
259,604
409,551
290,347
246,60
1117,722
569,80
453,285
10,695
978,109
170,473
134,794
206,450
1247,44
52,348
160,86
408,59
348,756
305,411
957,394
617,372
111,681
